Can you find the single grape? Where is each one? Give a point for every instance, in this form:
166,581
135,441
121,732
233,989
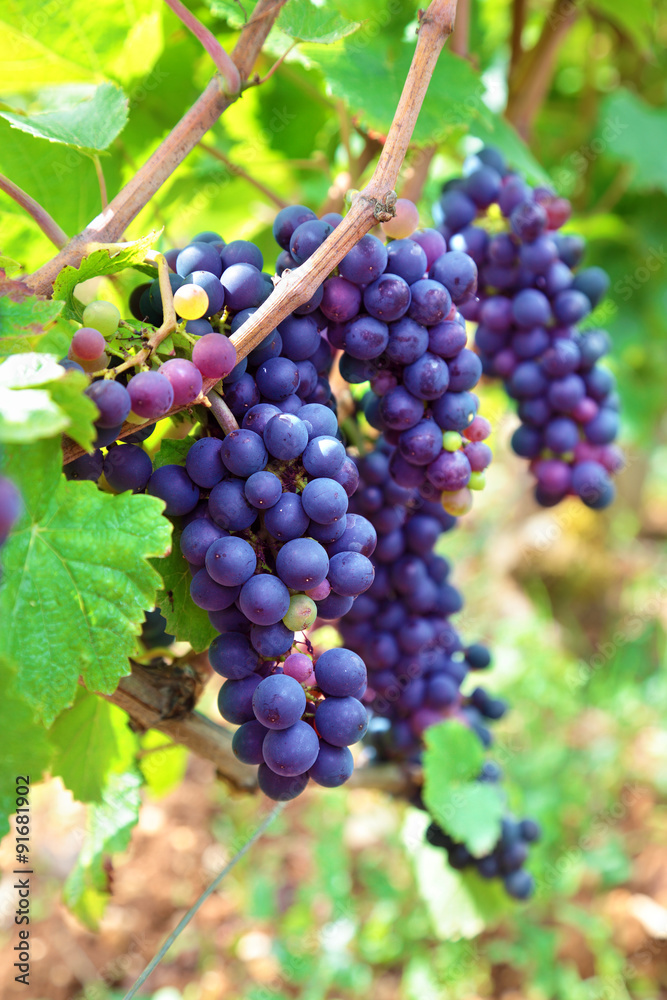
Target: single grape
191,302
279,702
151,395
300,667
341,721
127,467
230,561
112,400
291,751
277,786
102,316
264,599
172,484
214,355
302,563
232,656
333,767
87,345
184,378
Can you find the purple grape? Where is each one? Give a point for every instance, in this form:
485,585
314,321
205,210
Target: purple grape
209,595
257,417
277,786
566,393
450,471
561,435
458,209
341,721
185,379
244,287
455,411
264,599
241,252
230,561
324,500
228,506
300,337
341,300
285,436
603,428
197,538
323,456
291,751
340,672
271,641
333,767
457,271
408,340
365,262
302,563
172,484
287,221
465,371
428,377
263,490
388,298
86,467
421,444
198,257
400,409
350,573
407,259
235,698
432,243
112,400
527,441
277,378
203,463
531,308
431,302
243,452
570,306
446,339
278,702
286,519
307,237
247,742
530,343
128,467
483,186
307,379
528,220
232,656
594,283
151,395
214,355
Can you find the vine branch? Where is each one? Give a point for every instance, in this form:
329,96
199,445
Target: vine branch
534,71
222,62
49,226
112,222
372,205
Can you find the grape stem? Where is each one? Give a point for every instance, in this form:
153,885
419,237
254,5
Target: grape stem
148,701
239,172
169,322
372,205
224,65
110,225
221,412
49,226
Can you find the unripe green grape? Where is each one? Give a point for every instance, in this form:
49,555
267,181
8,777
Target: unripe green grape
452,441
190,301
301,613
477,481
102,316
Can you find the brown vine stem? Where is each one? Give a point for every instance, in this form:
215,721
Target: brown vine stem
109,226
221,412
535,70
224,65
240,172
461,32
372,205
142,696
516,52
49,226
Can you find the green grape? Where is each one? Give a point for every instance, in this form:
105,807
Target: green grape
102,316
452,441
301,613
477,481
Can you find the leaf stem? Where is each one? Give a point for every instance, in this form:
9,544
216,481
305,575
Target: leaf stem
258,81
100,180
183,923
49,226
240,172
221,412
223,63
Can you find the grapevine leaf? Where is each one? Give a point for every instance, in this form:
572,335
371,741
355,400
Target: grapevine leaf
185,620
172,452
162,764
91,739
466,809
27,750
638,21
303,20
89,125
635,131
39,399
76,579
108,830
11,267
108,259
28,323
372,85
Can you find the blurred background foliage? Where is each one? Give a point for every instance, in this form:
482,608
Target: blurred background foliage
339,900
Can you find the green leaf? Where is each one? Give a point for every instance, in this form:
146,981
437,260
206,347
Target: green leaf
25,322
108,830
172,451
40,399
76,579
28,62
91,739
185,620
162,763
369,77
307,22
89,125
109,259
27,749
637,20
635,131
466,809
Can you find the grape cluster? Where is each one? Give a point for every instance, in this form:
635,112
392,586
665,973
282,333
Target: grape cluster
417,659
530,299
393,310
508,856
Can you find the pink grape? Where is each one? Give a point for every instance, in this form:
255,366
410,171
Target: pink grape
151,395
404,222
87,344
214,355
300,667
185,379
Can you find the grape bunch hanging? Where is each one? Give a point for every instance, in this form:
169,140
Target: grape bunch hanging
285,524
